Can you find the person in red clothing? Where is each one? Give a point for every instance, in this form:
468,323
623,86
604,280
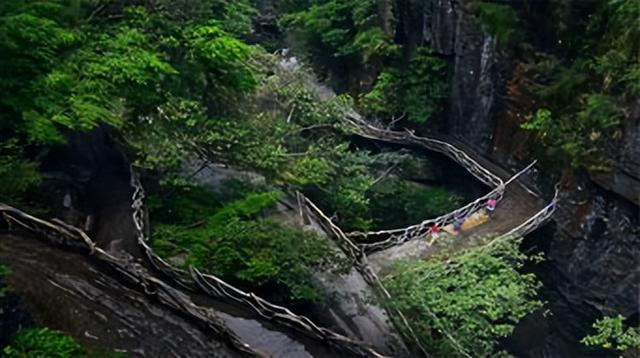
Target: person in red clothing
435,231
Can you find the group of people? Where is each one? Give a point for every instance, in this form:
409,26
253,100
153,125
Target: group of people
490,207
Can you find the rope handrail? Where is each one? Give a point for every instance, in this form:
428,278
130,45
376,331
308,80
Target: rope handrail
382,239
213,286
61,233
370,243
535,221
398,236
367,130
216,287
360,261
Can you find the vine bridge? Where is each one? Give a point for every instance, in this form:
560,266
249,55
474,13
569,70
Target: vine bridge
519,212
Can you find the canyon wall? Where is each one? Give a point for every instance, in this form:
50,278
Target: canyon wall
593,251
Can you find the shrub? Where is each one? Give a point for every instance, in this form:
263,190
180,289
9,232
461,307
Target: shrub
465,302
17,174
611,334
43,342
260,252
398,203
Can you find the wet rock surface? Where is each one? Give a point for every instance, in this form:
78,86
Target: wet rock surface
64,291
592,251
89,187
593,267
71,292
348,308
451,29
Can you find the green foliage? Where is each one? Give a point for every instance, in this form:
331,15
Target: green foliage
43,342
261,252
309,170
234,16
398,203
178,202
224,57
341,35
352,42
497,19
182,204
466,302
89,87
417,90
162,141
31,39
346,194
69,74
292,6
245,208
61,76
286,132
585,85
611,334
579,136
17,174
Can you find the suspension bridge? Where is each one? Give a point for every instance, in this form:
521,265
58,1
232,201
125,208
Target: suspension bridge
519,211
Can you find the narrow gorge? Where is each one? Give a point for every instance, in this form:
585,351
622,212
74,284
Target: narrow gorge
306,178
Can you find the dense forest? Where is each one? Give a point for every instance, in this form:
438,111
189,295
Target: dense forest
233,113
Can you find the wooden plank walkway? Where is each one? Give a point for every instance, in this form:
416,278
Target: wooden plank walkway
515,208
517,204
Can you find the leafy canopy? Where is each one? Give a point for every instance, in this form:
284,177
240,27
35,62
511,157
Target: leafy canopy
585,81
612,333
235,243
465,302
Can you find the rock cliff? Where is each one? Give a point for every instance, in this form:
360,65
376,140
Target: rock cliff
593,251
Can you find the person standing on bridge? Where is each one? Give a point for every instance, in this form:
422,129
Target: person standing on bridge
491,206
435,231
457,224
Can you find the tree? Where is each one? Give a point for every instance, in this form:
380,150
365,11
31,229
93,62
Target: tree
238,245
585,82
416,90
342,36
464,302
611,334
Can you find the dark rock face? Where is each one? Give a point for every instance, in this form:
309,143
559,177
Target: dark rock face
624,179
14,314
630,159
452,31
88,181
593,251
597,247
592,268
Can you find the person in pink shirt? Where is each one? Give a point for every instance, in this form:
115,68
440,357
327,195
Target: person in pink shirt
491,206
